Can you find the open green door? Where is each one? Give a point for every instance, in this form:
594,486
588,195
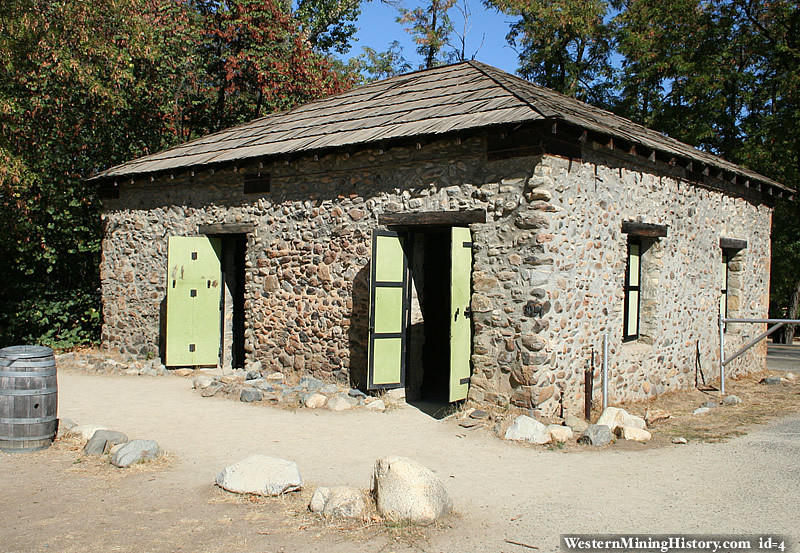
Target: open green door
387,312
193,300
460,322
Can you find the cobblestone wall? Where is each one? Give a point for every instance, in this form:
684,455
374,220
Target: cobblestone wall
548,266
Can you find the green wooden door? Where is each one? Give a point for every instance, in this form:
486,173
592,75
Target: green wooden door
388,311
460,321
194,288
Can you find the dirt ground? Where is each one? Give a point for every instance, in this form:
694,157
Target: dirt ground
57,500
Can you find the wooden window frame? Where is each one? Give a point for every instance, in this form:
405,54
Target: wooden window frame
628,288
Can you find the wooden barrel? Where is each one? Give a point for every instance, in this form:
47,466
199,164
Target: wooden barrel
28,398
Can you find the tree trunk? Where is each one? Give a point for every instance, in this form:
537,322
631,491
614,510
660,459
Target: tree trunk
794,303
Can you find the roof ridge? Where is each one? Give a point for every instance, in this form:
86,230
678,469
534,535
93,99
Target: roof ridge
487,70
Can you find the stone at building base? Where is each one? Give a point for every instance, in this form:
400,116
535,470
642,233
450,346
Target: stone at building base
731,400
596,435
577,424
249,395
559,434
528,429
633,434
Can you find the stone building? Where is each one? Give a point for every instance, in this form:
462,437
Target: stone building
458,231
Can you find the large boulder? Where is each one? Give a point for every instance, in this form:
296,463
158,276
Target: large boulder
136,451
261,475
340,501
528,429
102,440
407,491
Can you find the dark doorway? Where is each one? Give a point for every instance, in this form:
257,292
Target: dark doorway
429,332
234,248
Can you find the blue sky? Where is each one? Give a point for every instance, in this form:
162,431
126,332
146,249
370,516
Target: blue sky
377,28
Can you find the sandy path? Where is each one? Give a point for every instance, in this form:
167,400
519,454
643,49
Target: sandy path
501,490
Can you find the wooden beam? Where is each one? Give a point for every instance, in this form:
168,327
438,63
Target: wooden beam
226,228
433,218
732,244
644,229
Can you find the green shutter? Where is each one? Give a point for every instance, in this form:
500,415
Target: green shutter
194,284
460,321
388,311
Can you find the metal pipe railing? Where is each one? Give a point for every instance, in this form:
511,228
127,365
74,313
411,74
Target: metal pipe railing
777,323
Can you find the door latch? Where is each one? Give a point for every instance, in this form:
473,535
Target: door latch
468,312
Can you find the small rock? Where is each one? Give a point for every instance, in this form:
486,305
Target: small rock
256,367
791,377
701,411
102,440
183,372
771,380
356,393
252,375
250,394
407,491
633,433
632,421
612,417
202,381
339,403
596,435
377,405
340,501
315,401
310,383
528,429
329,389
261,475
559,433
135,451
478,414
275,377
211,390
396,394
731,400
64,426
710,405
680,441
84,431
577,424
653,416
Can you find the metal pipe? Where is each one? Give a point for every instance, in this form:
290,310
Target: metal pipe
753,342
722,353
605,371
766,321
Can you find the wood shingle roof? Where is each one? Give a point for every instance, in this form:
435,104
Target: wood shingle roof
447,99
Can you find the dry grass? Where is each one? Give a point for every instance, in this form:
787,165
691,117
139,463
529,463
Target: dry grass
760,404
99,465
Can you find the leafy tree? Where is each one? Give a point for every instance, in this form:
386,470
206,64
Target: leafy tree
382,65
431,27
85,85
328,25
562,44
